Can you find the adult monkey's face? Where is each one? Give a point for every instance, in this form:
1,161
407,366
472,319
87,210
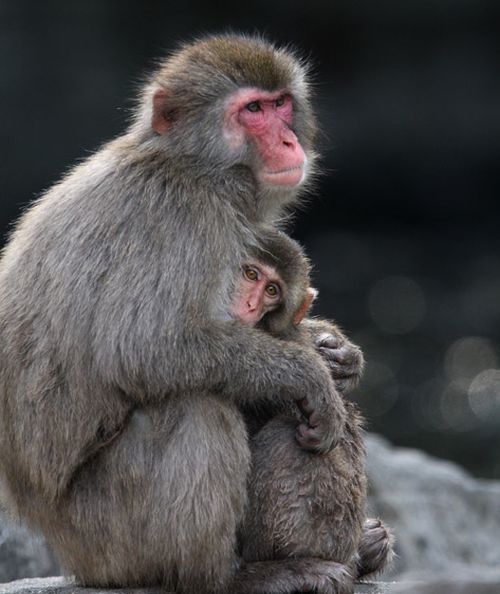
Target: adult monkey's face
265,119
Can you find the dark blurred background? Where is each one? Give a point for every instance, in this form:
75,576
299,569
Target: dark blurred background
403,226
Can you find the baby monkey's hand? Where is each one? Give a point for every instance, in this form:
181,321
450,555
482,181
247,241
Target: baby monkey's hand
344,359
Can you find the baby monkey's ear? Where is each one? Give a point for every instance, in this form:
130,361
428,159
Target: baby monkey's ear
304,307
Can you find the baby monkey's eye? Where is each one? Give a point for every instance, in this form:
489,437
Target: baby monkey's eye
254,107
280,101
250,273
273,290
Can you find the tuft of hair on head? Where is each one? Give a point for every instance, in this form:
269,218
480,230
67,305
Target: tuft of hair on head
202,73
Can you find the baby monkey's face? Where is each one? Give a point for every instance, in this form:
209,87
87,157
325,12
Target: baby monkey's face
260,290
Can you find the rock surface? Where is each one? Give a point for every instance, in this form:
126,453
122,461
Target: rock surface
465,581
23,555
444,520
59,585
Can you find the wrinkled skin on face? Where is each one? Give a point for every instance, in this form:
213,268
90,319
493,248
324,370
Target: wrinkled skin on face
265,120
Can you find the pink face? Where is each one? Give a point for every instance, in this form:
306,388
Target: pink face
259,292
266,119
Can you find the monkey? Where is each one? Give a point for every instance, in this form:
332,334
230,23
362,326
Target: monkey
302,504
121,376
284,263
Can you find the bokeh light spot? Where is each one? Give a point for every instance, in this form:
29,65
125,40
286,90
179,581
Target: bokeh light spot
484,395
455,408
468,356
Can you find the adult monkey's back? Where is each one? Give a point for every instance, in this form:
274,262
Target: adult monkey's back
120,372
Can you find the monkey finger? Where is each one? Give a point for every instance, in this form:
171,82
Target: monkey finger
343,371
310,413
371,523
305,407
327,340
348,360
375,548
341,354
307,432
341,385
334,355
345,355
315,439
376,535
308,438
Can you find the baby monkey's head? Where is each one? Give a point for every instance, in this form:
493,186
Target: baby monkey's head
274,289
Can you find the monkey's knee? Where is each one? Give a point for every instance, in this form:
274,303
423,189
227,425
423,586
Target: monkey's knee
375,549
160,506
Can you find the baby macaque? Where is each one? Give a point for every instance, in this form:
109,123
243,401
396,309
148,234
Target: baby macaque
302,504
262,291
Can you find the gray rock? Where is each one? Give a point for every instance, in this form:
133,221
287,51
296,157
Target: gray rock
446,587
448,583
374,588
444,520
22,554
61,585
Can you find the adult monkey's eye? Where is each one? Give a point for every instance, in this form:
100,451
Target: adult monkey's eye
250,273
280,101
254,107
273,290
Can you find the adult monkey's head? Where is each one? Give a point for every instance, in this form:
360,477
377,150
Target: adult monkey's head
233,100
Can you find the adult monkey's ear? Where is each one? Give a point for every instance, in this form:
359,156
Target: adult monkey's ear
162,118
303,308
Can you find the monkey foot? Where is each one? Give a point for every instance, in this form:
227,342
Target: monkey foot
375,550
288,576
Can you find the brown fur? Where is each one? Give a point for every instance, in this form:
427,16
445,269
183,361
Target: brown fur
303,504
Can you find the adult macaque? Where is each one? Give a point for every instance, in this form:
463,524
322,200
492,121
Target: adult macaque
303,504
120,375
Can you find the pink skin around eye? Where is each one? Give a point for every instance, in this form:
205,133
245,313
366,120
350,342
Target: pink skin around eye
252,302
281,155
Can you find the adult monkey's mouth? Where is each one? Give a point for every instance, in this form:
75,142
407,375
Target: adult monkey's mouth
286,170
288,176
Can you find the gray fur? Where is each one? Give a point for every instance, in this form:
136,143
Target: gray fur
120,431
